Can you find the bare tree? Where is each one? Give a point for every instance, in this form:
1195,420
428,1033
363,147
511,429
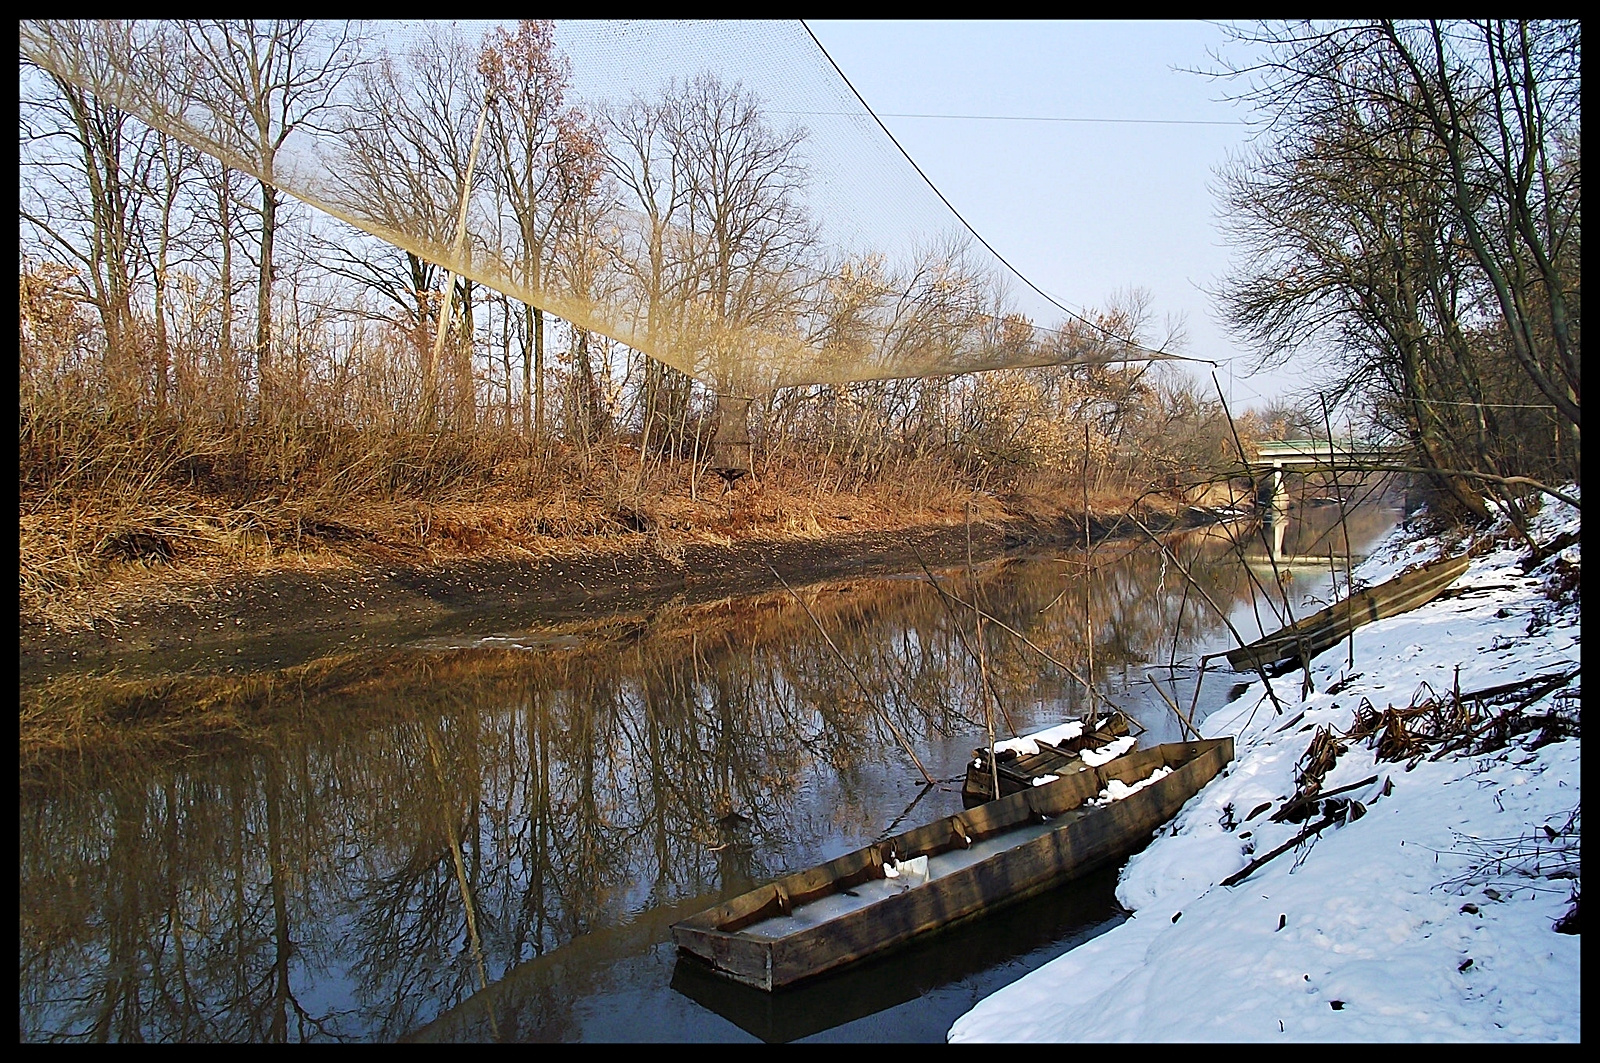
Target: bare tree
1499,96
746,239
583,257
744,225
407,152
640,157
265,79
176,165
540,151
89,164
216,209
1415,210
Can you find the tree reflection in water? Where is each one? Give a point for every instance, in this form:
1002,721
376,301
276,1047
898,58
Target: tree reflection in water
303,888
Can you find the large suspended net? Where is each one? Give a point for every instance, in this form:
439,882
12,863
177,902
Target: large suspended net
713,194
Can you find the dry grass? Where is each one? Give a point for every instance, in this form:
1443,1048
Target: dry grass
112,518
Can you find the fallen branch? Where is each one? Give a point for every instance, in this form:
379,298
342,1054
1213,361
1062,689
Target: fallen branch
1316,828
1540,685
1291,807
1556,679
1542,553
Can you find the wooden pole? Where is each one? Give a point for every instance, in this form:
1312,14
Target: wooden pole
983,667
1003,626
1338,491
1088,615
955,626
461,238
1221,613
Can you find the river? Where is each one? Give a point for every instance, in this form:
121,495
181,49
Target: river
592,787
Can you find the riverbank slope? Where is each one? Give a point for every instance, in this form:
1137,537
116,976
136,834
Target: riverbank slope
344,584
1434,899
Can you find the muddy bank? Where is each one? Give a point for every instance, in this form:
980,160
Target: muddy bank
283,619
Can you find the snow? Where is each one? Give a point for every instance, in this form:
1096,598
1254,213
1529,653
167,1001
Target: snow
1397,925
1028,745
1116,789
1108,752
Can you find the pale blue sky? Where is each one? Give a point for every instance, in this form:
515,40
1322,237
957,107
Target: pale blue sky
1081,208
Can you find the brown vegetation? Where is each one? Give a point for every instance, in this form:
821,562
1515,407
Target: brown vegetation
353,404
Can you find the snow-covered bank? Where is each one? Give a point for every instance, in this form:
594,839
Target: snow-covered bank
1425,909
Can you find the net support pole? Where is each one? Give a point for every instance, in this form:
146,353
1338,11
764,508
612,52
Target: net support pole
461,236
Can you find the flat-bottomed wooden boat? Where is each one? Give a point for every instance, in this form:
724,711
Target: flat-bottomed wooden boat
1326,628
949,871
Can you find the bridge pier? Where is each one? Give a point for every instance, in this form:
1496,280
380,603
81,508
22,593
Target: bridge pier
1274,457
1277,525
1307,455
1277,498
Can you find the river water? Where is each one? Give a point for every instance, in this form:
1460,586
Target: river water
591,787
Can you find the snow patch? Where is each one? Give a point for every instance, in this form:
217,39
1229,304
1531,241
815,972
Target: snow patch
1362,932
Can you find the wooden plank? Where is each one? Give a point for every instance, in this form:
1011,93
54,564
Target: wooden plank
742,958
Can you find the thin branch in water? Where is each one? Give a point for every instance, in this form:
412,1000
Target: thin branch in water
945,599
1216,608
1173,705
865,693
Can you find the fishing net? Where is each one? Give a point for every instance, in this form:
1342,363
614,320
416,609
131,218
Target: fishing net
713,194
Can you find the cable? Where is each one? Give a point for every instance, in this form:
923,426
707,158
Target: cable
978,236
1489,405
1029,118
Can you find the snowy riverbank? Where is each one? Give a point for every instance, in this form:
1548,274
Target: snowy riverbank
1425,907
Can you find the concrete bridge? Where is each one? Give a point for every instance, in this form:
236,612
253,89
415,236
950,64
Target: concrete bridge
1304,455
1309,455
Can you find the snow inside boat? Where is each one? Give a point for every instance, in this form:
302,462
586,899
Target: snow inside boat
1049,754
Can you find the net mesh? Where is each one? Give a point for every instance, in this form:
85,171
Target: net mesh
713,194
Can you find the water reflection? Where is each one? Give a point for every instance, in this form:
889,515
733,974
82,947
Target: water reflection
588,793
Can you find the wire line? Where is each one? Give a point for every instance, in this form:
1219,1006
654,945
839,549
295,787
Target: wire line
1053,302
1032,118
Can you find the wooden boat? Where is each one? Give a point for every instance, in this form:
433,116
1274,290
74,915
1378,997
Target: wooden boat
1326,628
975,954
1018,770
947,872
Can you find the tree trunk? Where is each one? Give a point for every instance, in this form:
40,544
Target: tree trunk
422,285
730,446
527,370
230,371
269,225
505,353
596,416
162,358
466,404
538,375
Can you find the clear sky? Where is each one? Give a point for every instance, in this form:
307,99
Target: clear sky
1081,208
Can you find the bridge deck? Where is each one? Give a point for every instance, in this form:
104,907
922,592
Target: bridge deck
1288,452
